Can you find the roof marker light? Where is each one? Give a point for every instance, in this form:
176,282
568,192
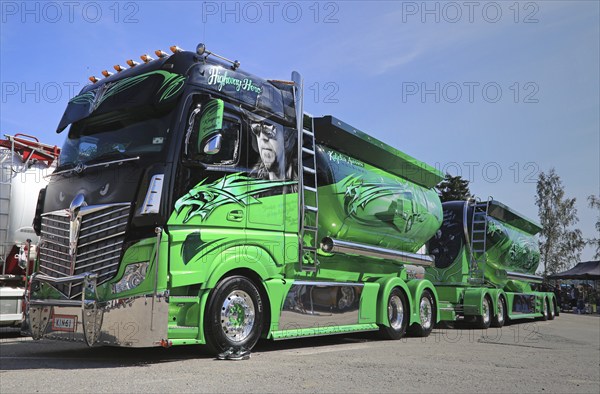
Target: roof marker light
93,79
118,67
146,58
132,63
106,73
175,49
160,53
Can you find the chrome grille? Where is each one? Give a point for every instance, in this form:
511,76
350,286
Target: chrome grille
99,242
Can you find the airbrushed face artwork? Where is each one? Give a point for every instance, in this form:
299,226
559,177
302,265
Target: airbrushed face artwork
274,148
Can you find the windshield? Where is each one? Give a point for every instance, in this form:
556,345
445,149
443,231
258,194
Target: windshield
116,136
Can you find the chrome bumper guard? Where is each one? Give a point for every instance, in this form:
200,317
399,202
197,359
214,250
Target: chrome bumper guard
139,321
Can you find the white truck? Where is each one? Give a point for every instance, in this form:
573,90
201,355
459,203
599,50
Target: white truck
25,164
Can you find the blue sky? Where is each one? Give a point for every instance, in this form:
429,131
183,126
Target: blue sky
494,91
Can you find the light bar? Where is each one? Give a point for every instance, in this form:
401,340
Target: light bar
160,53
201,50
132,63
118,67
106,73
146,58
93,79
175,49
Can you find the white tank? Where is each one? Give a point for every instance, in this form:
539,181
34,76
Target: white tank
20,184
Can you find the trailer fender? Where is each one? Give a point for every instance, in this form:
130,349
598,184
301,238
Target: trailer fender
416,287
474,299
386,285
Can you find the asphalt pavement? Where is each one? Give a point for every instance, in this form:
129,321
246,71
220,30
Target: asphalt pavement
556,356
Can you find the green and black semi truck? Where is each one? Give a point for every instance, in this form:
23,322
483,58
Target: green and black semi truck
195,203
486,256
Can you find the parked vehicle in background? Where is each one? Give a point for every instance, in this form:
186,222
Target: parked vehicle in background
25,163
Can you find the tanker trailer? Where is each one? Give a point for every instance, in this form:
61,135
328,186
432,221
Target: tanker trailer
24,163
486,258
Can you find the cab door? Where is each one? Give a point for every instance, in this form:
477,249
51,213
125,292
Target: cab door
210,210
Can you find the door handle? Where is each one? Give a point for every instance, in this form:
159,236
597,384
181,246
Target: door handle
236,215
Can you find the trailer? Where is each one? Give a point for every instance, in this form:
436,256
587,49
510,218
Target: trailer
484,272
24,163
196,203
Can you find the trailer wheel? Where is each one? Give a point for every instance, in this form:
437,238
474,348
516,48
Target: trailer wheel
398,316
427,314
234,317
499,319
485,319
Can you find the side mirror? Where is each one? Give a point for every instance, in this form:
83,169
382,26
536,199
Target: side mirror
213,145
211,122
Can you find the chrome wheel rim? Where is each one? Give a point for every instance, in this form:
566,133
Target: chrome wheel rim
237,316
486,311
426,312
500,311
395,312
552,311
545,308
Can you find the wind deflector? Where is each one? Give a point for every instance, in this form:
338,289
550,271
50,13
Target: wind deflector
155,88
342,137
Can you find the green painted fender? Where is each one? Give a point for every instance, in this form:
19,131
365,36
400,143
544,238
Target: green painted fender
232,259
252,258
385,288
416,287
474,299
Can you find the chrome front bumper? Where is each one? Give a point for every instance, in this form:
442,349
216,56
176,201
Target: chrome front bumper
139,321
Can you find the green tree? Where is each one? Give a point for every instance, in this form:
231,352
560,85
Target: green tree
594,202
453,188
560,244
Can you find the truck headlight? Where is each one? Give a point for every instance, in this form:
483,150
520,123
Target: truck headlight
133,276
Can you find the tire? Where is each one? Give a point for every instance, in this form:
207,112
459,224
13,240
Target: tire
500,319
225,327
427,314
544,310
398,316
485,319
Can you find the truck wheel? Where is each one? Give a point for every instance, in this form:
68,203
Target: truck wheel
234,317
499,319
485,319
398,316
427,314
550,308
544,310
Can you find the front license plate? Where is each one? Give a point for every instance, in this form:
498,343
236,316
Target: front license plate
64,323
